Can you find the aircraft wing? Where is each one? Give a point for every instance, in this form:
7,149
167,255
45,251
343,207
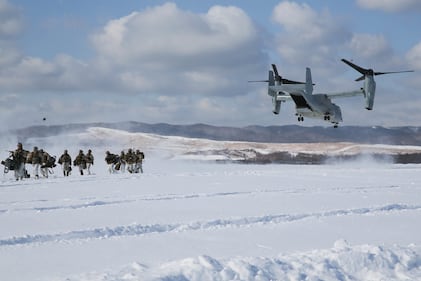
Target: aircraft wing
345,94
297,97
299,100
283,96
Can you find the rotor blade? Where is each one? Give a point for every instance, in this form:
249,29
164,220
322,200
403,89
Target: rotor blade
276,73
356,67
286,81
390,72
360,78
258,81
275,70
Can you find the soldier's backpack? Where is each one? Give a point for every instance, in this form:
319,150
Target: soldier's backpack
50,162
9,165
117,166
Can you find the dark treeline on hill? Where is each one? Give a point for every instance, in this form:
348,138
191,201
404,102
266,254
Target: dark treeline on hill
275,134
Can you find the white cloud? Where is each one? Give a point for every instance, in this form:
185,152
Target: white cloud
163,32
319,40
8,56
165,48
302,20
308,37
10,20
390,5
162,51
370,45
166,64
414,56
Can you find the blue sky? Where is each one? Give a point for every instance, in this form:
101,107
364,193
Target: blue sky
189,61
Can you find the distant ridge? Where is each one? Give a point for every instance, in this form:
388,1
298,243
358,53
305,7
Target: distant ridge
270,134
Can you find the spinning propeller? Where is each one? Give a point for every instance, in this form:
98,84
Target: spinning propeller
278,78
369,72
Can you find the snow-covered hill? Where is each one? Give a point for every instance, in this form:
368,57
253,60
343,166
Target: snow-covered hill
198,220
174,147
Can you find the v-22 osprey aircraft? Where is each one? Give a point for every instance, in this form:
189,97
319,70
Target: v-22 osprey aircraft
319,106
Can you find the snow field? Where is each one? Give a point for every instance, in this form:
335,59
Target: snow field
201,221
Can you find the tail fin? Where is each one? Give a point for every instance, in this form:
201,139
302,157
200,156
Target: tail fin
309,82
271,78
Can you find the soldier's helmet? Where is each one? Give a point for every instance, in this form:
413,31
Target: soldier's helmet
19,145
35,148
80,151
107,152
65,151
89,151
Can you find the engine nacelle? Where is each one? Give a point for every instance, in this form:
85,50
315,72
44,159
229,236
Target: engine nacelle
276,104
369,91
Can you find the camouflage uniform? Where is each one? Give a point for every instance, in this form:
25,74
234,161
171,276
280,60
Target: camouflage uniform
66,161
19,158
48,162
130,160
122,161
44,160
89,160
139,161
80,161
35,158
112,160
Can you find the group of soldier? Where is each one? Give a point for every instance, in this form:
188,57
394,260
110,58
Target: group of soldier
82,161
131,161
43,162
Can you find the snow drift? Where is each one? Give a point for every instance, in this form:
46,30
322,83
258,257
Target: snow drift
342,262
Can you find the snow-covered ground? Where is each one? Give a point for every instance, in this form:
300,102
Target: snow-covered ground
198,220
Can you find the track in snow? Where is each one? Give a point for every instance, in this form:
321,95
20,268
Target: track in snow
139,229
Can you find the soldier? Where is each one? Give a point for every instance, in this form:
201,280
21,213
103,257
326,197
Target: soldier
122,161
48,163
80,161
112,160
35,158
89,161
44,159
66,161
139,160
19,158
130,160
